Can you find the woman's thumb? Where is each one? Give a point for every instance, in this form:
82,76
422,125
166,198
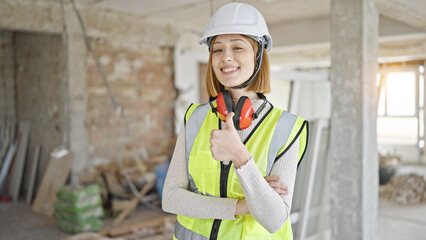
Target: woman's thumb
230,121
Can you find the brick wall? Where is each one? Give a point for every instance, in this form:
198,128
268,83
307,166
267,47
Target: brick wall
142,82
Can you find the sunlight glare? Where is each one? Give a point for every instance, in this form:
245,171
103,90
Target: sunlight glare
401,87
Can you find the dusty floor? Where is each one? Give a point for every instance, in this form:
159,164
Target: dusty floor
398,222
19,222
395,222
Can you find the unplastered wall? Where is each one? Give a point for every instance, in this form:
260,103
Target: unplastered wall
141,79
7,76
39,94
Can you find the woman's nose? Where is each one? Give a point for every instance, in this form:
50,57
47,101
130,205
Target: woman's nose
227,56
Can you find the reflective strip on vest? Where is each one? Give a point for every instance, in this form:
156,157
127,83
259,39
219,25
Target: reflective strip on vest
191,130
181,233
282,131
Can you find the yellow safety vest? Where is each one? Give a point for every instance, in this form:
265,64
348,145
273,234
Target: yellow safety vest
269,140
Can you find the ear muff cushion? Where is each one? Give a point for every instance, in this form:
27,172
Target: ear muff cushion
224,104
243,113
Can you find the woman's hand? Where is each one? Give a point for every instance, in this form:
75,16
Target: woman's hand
274,182
241,208
279,187
226,144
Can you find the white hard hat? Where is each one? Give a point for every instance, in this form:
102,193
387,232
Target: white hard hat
237,18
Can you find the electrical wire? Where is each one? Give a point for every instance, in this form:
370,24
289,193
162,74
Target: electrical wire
118,108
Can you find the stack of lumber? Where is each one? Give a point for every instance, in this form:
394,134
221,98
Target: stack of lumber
14,142
13,154
79,209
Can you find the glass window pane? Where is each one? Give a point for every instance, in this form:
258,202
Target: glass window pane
401,95
397,130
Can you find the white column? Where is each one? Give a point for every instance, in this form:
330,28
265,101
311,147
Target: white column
353,146
77,98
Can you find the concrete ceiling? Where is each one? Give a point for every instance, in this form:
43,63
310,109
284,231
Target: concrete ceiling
300,28
194,14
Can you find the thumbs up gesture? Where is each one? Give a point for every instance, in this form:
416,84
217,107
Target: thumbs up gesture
226,144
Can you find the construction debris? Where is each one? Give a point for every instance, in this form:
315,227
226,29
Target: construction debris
389,160
405,189
160,226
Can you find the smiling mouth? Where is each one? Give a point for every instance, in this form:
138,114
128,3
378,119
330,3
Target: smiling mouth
228,70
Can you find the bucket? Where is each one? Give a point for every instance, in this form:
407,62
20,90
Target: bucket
161,172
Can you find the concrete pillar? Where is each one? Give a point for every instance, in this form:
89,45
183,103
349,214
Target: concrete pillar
353,146
77,97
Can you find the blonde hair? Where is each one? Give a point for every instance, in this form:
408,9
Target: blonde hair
261,82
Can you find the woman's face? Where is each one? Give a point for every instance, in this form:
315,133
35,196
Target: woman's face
232,59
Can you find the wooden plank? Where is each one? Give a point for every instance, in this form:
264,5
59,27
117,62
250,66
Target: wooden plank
87,236
145,224
6,165
33,172
5,141
134,202
55,176
18,168
114,187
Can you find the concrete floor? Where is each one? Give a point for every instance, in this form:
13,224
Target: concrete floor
19,222
397,222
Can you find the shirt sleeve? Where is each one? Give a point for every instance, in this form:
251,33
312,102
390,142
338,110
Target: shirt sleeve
269,208
178,200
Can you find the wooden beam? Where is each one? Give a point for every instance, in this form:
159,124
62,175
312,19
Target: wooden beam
134,202
145,224
33,175
55,177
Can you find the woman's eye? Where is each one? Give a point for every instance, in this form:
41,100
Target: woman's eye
217,50
238,48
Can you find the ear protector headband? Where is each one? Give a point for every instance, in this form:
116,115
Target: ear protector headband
261,43
244,112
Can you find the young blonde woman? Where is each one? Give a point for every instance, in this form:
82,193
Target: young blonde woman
233,170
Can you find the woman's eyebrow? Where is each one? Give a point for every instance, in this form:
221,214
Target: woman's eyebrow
232,40
237,39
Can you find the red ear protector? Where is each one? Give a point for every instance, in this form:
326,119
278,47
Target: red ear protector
244,112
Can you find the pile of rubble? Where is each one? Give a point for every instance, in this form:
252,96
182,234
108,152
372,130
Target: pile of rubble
405,189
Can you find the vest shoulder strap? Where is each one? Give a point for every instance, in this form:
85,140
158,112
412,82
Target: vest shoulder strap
189,111
299,131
